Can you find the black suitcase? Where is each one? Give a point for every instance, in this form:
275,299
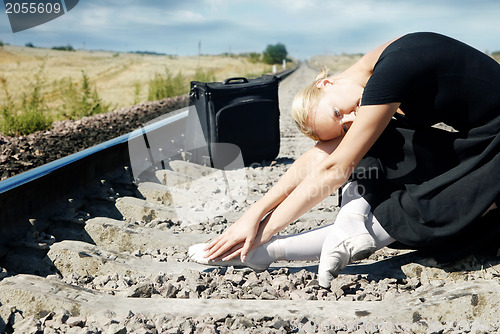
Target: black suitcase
239,111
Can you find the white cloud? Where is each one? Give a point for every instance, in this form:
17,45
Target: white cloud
304,26
183,16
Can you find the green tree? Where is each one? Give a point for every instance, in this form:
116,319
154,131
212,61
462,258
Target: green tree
64,48
274,54
254,57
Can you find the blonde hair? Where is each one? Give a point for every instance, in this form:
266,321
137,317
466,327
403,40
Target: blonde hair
305,101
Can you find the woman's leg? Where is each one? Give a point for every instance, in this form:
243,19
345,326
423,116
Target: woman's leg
382,238
296,247
356,234
354,218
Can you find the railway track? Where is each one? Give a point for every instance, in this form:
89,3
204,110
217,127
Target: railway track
97,242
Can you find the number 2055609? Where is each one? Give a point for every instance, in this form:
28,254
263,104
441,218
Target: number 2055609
32,8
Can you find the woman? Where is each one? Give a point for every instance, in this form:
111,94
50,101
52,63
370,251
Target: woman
424,187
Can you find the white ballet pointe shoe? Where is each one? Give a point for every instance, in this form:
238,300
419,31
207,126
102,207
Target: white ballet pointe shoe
197,253
336,258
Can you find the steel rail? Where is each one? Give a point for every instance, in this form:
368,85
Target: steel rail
40,188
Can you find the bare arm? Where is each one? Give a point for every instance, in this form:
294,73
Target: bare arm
325,178
310,179
296,174
237,235
333,171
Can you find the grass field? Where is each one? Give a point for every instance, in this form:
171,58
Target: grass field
115,75
338,63
39,86
46,78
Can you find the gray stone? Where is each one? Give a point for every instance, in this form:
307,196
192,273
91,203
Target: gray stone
116,329
135,209
280,323
343,282
118,236
170,290
143,290
280,282
242,323
265,276
76,321
187,326
235,278
251,280
267,296
191,170
301,295
75,257
171,178
258,290
155,192
204,328
313,284
29,324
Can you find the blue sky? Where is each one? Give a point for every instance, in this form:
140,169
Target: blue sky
306,27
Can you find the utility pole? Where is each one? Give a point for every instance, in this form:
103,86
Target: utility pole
199,52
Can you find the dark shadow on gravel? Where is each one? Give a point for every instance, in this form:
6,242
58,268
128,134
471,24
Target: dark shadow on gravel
388,268
23,260
391,267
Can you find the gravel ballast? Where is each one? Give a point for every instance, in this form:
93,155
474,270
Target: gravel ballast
156,289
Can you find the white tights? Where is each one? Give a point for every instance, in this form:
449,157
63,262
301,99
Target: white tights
354,218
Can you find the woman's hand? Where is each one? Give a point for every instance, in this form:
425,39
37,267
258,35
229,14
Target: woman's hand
237,240
251,230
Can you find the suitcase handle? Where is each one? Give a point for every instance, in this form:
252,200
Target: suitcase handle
239,79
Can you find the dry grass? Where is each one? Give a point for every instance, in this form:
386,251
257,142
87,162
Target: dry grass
336,63
496,56
118,77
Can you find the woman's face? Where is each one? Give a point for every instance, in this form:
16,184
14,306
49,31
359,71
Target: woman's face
337,108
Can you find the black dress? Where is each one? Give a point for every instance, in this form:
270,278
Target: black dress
429,187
